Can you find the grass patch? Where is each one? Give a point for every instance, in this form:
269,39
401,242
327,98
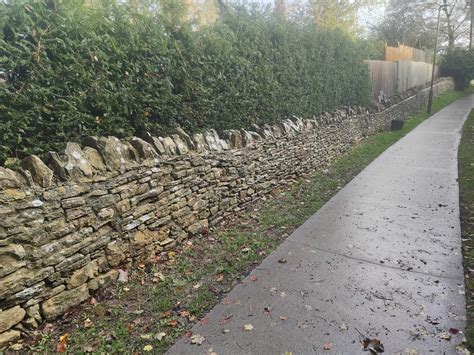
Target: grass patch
168,294
466,189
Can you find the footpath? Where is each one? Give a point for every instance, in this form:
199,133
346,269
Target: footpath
382,258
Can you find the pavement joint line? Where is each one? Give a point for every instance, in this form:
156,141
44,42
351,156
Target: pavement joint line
375,263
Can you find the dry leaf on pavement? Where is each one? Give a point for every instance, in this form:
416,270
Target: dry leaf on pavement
197,339
248,327
327,346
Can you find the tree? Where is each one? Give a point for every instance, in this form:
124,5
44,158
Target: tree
331,14
414,23
339,14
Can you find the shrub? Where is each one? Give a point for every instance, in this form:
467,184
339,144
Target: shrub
113,68
459,63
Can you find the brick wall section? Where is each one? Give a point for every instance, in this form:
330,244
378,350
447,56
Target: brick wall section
68,220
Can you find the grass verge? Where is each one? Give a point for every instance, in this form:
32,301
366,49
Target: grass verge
164,297
466,198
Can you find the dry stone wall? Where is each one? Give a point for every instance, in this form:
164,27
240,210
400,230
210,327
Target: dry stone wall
68,220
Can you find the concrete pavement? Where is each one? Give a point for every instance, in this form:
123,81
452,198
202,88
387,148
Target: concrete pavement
383,256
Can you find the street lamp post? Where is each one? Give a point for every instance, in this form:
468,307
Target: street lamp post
430,97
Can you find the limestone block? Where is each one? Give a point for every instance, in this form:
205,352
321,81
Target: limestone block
59,304
169,145
10,179
34,312
81,276
103,280
8,338
11,317
155,142
11,257
112,150
115,252
76,161
145,149
41,174
95,159
199,227
15,282
181,147
186,138
200,142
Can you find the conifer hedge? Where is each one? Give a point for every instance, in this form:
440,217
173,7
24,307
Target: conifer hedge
74,69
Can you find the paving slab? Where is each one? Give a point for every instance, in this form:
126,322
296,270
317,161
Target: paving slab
382,257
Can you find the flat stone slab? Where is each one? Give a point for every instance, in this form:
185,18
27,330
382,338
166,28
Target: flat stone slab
382,257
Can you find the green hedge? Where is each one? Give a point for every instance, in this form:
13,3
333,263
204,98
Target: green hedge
459,63
114,69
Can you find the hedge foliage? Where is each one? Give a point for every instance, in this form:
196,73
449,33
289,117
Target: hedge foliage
459,63
114,68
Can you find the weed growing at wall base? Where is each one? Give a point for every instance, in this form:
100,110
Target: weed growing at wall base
168,297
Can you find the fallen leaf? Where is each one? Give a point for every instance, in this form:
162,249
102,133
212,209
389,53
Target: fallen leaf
445,336
87,323
454,331
226,319
188,334
126,289
141,266
62,343
172,323
461,349
171,254
283,317
282,260
220,278
205,321
197,286
267,309
245,250
146,336
343,326
375,346
184,314
197,339
138,312
160,336
327,346
253,278
167,314
410,351
159,275
148,348
226,301
92,301
248,327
